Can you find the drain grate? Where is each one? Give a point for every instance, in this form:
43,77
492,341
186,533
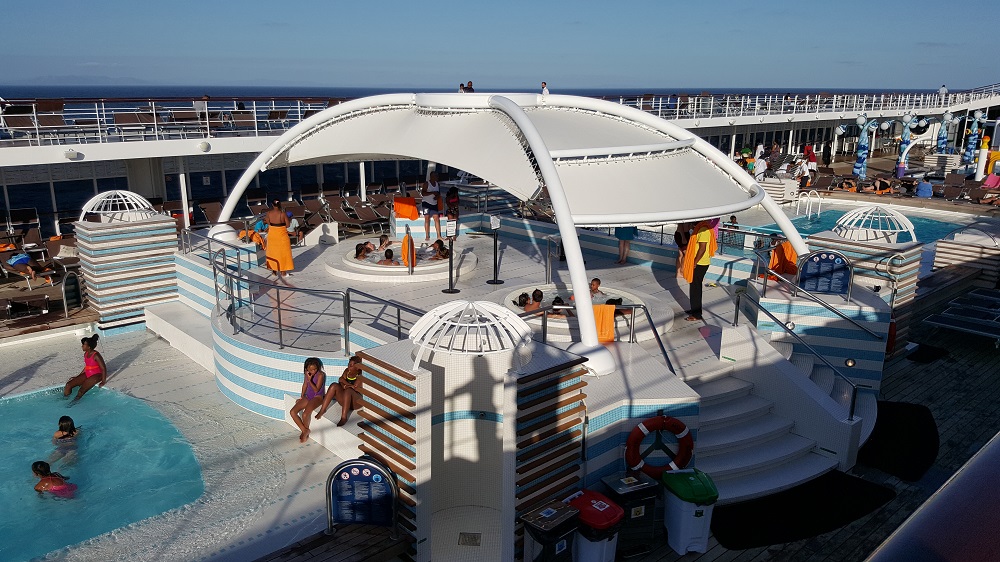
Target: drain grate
470,539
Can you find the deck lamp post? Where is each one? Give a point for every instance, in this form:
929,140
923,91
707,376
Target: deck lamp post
866,125
942,133
972,140
904,141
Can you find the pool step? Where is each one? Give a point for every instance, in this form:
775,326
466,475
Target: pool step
185,328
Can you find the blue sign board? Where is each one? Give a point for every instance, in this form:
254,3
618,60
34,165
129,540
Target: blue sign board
825,272
362,491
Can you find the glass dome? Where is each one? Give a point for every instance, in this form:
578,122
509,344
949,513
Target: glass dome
874,224
118,206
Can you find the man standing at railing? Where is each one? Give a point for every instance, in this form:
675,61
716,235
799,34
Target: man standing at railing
697,258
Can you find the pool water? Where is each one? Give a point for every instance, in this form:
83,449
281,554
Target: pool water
927,230
130,463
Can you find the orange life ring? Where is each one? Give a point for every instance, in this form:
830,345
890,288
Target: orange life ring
684,441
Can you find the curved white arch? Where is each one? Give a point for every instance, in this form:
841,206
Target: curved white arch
601,163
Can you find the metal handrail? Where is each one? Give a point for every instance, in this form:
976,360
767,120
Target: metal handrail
544,311
894,279
854,386
796,290
236,279
979,230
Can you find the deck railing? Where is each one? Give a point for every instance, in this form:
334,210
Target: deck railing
84,120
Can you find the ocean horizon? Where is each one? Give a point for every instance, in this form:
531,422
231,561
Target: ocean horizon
16,92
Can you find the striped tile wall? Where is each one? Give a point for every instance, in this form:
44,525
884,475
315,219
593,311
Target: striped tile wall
127,266
872,263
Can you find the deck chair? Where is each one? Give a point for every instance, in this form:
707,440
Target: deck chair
315,207
342,218
43,270
131,124
212,211
22,125
823,183
367,213
63,253
243,120
277,119
953,192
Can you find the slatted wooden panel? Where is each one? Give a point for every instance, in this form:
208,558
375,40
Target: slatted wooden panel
984,258
389,431
549,431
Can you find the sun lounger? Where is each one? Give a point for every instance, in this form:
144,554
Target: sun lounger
969,325
341,217
982,293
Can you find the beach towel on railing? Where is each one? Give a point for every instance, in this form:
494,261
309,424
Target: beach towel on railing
405,208
783,259
406,247
604,317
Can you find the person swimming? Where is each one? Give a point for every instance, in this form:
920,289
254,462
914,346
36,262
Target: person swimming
536,301
65,441
49,481
521,301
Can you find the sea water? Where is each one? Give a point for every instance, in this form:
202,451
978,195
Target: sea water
130,463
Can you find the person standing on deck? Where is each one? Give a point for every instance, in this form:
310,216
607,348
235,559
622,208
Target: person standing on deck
278,253
469,89
810,156
430,191
697,258
545,89
827,154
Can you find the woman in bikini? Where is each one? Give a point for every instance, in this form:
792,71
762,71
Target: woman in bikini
94,370
313,383
346,391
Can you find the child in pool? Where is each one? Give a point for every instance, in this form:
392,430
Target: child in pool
560,312
384,242
49,481
346,391
313,383
94,370
65,441
522,300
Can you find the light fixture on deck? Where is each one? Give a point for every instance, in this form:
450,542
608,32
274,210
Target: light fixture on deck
850,362
71,154
204,146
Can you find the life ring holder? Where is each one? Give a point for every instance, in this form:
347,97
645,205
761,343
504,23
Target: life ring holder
635,461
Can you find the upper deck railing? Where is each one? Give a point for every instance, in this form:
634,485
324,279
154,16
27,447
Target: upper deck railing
34,122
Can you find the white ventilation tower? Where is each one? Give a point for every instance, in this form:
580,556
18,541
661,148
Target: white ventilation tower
118,206
469,328
870,224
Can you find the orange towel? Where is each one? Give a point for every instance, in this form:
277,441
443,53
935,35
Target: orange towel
279,249
253,236
784,259
405,208
604,317
687,268
406,247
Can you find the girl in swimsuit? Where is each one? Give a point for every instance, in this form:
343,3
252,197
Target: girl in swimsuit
49,481
94,370
346,391
65,441
313,383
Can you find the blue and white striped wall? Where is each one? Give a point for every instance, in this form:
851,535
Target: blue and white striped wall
127,266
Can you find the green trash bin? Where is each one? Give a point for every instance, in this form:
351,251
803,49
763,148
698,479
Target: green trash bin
687,509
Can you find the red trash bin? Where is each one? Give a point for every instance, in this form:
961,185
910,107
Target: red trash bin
597,531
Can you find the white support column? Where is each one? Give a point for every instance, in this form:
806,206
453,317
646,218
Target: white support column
182,176
362,181
288,182
319,178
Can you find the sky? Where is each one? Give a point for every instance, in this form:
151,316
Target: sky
662,44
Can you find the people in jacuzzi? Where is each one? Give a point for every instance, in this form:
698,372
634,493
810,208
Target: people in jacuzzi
595,289
361,250
383,242
440,250
346,391
536,301
619,311
522,300
388,259
560,312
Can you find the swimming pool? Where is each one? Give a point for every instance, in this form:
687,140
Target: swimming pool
927,230
130,464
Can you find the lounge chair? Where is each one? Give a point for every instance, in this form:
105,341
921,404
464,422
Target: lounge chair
212,211
43,269
63,253
341,217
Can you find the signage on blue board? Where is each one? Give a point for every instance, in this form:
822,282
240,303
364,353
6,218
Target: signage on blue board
362,491
825,272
